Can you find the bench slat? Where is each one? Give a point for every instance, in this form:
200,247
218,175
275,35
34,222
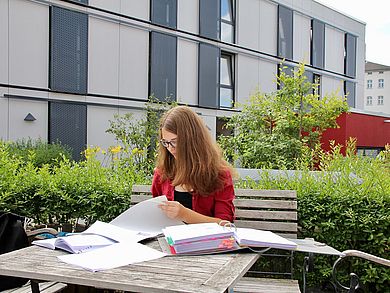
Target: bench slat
265,204
258,193
266,215
270,226
268,285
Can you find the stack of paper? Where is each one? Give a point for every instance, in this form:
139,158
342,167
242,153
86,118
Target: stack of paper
199,238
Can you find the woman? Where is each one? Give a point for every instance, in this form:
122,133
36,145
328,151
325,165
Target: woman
191,171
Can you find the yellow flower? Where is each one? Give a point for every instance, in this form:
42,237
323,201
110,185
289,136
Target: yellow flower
115,150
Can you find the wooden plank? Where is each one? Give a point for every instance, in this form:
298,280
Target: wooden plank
266,204
261,285
258,193
266,215
266,225
136,198
141,188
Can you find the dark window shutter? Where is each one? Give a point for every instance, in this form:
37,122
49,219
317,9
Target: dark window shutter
349,88
285,33
68,51
318,43
208,75
209,19
68,125
163,52
164,12
350,58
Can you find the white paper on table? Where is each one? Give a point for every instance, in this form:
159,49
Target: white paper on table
117,233
145,217
113,256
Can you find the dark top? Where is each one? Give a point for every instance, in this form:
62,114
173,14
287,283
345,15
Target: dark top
185,198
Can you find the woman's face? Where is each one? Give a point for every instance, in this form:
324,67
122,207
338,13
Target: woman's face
168,140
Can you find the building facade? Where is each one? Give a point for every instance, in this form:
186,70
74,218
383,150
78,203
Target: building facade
66,67
377,88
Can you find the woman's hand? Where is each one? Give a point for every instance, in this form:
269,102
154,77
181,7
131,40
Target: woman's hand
173,210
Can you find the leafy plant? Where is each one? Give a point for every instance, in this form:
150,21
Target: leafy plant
273,130
138,137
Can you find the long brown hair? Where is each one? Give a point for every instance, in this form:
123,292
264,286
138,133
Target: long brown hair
199,163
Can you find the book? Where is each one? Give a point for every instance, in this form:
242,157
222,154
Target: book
260,238
75,243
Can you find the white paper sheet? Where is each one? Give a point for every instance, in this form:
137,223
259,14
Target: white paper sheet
117,233
145,217
115,255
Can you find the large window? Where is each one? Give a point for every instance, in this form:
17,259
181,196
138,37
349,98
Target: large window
68,51
68,125
380,100
285,32
227,21
226,89
217,19
164,12
349,90
163,52
350,55
317,43
369,101
381,83
369,83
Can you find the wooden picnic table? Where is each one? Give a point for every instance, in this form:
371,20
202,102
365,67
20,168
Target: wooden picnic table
205,273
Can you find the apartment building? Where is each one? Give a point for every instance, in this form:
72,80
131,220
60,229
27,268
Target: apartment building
66,67
377,88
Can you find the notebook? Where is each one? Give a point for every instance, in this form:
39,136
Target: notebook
260,238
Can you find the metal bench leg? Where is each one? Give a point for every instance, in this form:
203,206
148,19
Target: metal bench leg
34,287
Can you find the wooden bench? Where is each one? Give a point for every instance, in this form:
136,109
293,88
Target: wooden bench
273,210
44,287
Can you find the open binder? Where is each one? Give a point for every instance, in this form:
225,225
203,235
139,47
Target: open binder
213,238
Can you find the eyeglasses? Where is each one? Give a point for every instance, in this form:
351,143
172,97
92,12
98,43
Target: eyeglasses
167,143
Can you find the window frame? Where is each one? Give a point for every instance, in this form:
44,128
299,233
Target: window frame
231,73
231,23
380,100
369,101
369,83
381,83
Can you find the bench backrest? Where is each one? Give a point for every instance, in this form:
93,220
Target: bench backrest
273,210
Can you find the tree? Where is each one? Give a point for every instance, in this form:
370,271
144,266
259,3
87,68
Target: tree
276,130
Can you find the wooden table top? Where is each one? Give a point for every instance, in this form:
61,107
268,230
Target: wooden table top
206,273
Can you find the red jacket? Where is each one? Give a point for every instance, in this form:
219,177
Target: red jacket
218,204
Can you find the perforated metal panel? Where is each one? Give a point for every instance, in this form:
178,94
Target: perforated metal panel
163,55
318,44
208,75
68,51
68,125
164,12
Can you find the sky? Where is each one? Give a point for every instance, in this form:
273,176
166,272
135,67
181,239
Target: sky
376,15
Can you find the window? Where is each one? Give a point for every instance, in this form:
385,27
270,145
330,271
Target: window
317,43
162,81
164,12
68,125
317,84
285,32
380,100
217,19
380,72
381,83
226,86
369,83
227,21
208,75
369,73
369,101
68,51
368,152
350,55
349,90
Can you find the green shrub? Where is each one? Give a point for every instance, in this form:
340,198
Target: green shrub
39,152
347,206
